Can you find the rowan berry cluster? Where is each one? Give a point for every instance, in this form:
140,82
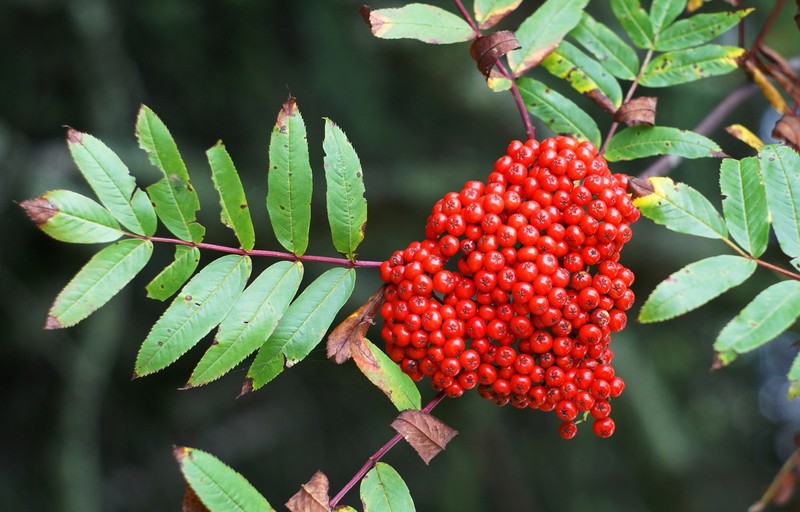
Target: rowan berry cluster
517,286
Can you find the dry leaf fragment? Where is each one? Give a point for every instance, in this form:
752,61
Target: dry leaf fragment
312,496
641,110
639,187
788,129
40,210
488,49
353,329
427,434
191,503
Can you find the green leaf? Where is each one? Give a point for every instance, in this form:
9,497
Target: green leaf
347,207
585,75
199,307
664,12
174,198
794,378
643,141
219,487
289,180
780,168
772,311
613,53
699,29
557,112
112,182
169,280
681,208
383,490
426,23
634,21
682,66
387,376
745,204
72,217
542,31
251,321
235,212
98,281
489,12
304,324
694,285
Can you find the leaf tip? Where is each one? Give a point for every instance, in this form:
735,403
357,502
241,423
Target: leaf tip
52,323
640,187
247,387
364,11
180,453
73,135
39,210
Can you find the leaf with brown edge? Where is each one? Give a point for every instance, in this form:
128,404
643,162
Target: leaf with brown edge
488,49
39,210
353,329
427,434
788,129
639,187
745,135
191,503
312,496
641,110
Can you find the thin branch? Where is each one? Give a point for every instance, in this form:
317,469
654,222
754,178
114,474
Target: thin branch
773,15
613,128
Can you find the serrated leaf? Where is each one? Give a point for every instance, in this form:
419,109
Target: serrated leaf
427,434
682,66
694,285
613,53
557,112
98,281
216,484
312,496
794,378
235,211
426,23
303,325
386,375
780,169
542,31
251,321
643,141
347,207
769,314
489,12
699,29
110,179
289,180
634,21
745,204
71,217
664,12
383,490
169,280
585,75
199,307
173,196
681,208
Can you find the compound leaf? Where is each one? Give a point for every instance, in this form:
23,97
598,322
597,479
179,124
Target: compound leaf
542,31
347,207
585,75
745,204
216,484
71,217
383,490
289,181
557,112
251,321
694,285
235,212
780,168
426,23
643,141
201,305
664,12
682,66
489,12
681,208
98,281
110,179
635,21
169,280
616,56
699,29
386,375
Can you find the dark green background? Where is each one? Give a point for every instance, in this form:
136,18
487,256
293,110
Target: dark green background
79,435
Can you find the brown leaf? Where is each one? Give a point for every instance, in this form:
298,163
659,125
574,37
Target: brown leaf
353,329
73,135
364,11
40,210
788,129
488,49
191,503
641,110
601,100
312,496
427,434
639,187
288,109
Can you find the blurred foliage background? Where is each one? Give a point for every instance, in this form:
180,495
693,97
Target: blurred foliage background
79,435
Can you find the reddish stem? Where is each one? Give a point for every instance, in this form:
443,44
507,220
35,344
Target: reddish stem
374,458
773,15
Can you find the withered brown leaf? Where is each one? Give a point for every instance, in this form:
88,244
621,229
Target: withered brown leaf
788,129
353,329
488,49
641,110
427,434
191,503
312,496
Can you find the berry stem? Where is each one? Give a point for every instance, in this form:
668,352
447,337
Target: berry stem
375,457
344,262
